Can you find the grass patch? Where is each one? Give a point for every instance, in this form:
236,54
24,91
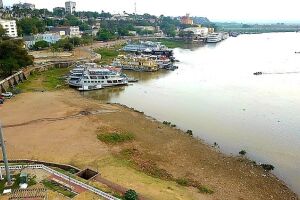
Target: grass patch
134,159
205,190
49,80
108,54
16,182
58,188
172,43
182,182
115,138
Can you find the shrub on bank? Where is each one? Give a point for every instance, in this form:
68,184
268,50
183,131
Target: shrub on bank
130,195
267,167
189,132
242,152
205,190
182,182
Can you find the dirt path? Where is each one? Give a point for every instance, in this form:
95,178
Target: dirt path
50,126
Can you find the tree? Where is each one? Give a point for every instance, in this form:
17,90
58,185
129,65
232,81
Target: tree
41,45
2,32
105,35
131,195
28,26
13,56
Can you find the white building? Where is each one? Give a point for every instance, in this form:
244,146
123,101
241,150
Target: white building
74,31
70,7
10,26
25,6
198,31
51,38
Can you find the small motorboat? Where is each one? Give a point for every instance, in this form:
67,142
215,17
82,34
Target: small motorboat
257,73
90,87
132,80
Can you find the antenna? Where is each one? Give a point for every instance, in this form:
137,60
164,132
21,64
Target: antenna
2,143
135,7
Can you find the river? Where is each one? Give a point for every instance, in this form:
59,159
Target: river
215,94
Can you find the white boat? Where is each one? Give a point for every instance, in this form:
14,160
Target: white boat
92,76
214,38
225,35
89,87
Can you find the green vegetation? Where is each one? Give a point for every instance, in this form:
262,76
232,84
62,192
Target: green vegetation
108,54
105,35
40,45
68,44
205,190
16,179
133,159
168,25
189,132
28,26
182,181
58,188
12,55
169,124
115,138
242,152
130,195
267,167
172,43
50,80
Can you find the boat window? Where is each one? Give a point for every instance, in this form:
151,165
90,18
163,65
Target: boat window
84,81
115,81
120,81
102,81
109,81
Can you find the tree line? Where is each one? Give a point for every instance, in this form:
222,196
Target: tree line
12,54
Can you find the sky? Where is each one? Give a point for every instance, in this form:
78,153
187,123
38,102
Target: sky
217,10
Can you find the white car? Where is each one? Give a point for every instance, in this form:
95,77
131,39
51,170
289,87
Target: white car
7,95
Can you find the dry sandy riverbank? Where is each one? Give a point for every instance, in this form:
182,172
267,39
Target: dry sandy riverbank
65,137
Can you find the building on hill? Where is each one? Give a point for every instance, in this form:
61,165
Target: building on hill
70,7
71,31
1,4
10,26
51,38
186,20
25,6
198,32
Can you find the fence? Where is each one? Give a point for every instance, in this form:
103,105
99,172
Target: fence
65,177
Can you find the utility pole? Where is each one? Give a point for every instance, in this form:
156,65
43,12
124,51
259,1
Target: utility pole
4,156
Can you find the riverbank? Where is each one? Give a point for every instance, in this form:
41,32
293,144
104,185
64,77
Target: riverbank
179,43
158,161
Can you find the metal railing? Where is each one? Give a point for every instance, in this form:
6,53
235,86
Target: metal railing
65,177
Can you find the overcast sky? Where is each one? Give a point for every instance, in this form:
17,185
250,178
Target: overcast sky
216,10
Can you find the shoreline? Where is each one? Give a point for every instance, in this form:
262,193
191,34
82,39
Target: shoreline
143,140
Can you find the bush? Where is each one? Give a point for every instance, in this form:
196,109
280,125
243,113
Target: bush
189,132
242,152
182,181
267,167
205,190
130,195
167,123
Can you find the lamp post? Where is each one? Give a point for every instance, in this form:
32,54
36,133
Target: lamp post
4,156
